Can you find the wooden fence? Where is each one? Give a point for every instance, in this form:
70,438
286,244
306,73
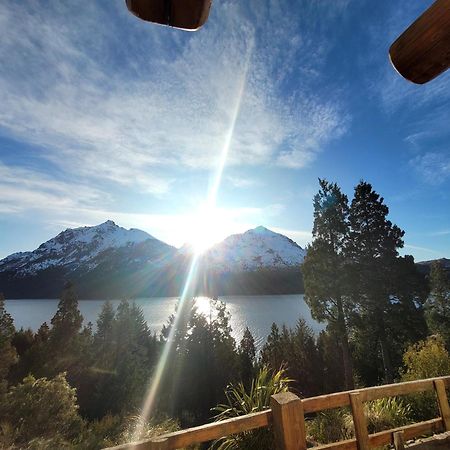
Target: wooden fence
287,417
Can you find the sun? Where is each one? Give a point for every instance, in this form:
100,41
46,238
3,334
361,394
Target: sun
207,227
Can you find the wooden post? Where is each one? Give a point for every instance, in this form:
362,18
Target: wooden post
288,421
444,407
399,440
360,422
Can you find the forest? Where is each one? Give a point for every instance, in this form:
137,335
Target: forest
74,385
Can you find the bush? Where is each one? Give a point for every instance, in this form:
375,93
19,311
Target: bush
425,359
40,410
329,426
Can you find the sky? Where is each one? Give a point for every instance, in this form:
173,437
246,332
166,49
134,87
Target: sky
198,135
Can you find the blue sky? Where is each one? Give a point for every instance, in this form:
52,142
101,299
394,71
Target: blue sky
103,116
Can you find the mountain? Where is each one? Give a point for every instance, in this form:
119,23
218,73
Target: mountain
108,261
425,266
255,249
86,248
96,258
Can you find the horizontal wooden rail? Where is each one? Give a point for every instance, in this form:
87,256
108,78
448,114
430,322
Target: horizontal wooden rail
386,437
203,433
340,399
216,430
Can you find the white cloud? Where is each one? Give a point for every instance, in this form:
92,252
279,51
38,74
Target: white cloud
24,189
109,97
433,167
241,181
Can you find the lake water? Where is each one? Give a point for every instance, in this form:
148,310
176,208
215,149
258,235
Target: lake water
256,312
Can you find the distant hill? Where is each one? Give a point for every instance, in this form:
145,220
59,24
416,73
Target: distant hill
425,266
108,261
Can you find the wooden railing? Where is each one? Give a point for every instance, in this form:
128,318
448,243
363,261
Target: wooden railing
287,417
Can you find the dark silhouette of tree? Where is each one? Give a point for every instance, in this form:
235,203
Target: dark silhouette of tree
438,303
247,358
8,353
325,268
373,251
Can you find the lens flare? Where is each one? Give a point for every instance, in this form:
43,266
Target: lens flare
189,285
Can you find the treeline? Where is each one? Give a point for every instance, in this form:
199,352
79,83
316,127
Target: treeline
70,385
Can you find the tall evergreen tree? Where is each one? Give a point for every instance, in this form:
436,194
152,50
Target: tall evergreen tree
67,321
324,268
373,250
247,357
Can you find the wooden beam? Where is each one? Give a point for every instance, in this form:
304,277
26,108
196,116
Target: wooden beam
339,399
399,440
288,421
443,403
421,52
360,422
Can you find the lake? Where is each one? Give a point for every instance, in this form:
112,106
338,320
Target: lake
256,312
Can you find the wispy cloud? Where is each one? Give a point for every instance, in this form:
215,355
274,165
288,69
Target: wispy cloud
24,190
433,167
108,97
242,181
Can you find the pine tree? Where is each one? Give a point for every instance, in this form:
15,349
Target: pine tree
373,251
67,321
324,268
247,357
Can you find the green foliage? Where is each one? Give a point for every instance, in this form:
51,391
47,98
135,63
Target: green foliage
426,359
324,268
67,321
329,426
41,409
438,303
295,349
386,413
337,424
241,401
247,357
8,354
199,350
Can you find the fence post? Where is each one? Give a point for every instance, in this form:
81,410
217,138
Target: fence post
360,422
444,407
288,421
399,440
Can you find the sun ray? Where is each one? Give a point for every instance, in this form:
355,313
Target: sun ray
188,289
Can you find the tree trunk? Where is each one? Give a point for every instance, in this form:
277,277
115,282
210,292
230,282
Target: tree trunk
387,363
346,356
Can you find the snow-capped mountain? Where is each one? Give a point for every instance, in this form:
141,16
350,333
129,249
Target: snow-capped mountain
85,248
108,261
255,249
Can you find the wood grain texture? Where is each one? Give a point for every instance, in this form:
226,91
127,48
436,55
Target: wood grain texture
288,421
360,421
241,424
399,440
422,52
444,407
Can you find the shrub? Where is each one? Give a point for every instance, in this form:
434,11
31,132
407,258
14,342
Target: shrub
329,426
40,410
425,359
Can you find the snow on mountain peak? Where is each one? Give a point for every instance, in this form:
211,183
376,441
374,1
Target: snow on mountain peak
256,248
75,246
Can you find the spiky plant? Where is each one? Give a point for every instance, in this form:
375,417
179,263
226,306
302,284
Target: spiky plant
239,402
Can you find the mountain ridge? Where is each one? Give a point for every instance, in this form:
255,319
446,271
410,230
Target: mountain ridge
106,259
